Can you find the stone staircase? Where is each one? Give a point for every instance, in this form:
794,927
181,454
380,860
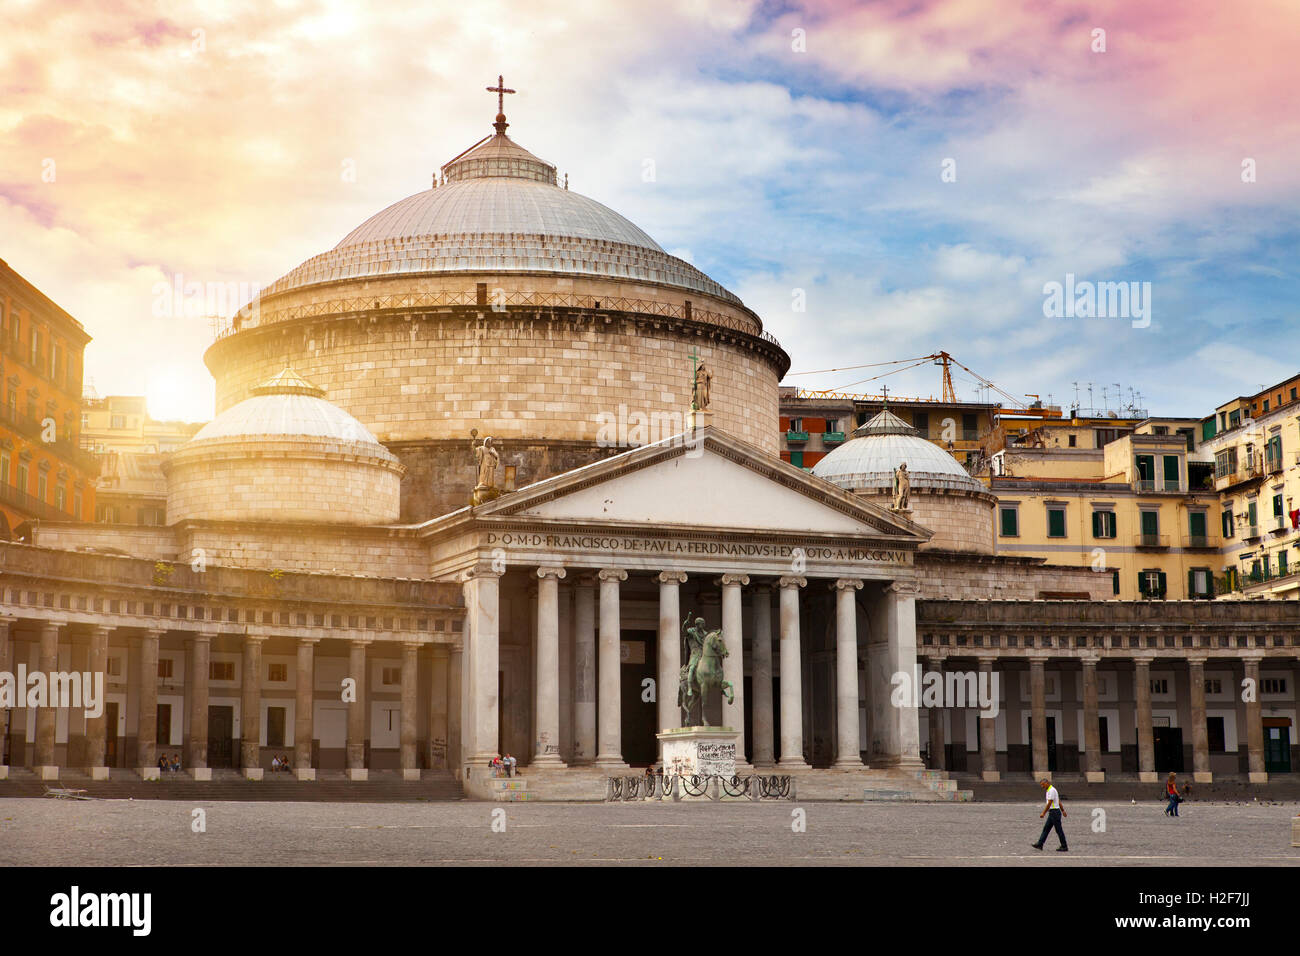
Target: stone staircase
383,786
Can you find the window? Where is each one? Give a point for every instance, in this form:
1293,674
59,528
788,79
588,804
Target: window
1281,564
165,668
1172,482
1010,522
221,670
119,421
1189,437
1160,685
970,425
275,722
1214,731
391,675
1253,516
1074,441
1293,395
1146,469
1234,418
1213,685
4,468
1196,527
42,486
1266,404
22,477
1273,685
60,497
277,673
1151,583
1103,524
1055,522
76,505
1150,523
1114,582
796,459
921,420
1277,506
113,667
1226,520
1198,583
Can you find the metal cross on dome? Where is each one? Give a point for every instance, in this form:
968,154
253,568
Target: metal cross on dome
501,91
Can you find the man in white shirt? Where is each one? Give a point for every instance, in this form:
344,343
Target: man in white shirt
1052,810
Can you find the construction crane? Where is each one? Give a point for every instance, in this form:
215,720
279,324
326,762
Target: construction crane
1011,406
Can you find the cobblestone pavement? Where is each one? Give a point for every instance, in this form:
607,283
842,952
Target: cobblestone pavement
124,832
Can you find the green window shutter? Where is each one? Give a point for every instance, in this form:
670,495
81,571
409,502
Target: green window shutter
1096,524
1056,523
1191,584
1253,518
796,459
1150,522
1114,580
1171,469
1207,429
1009,522
1281,564
1163,587
1142,584
1196,524
1223,520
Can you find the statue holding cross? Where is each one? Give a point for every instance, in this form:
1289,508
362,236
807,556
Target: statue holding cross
701,383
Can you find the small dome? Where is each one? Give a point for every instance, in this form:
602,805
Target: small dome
870,457
286,406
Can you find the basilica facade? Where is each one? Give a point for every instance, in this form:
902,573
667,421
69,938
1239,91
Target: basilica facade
341,579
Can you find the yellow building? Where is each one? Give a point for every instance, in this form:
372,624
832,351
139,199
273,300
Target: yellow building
1255,444
1134,507
122,423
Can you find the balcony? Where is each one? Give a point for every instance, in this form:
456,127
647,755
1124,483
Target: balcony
833,438
1202,542
32,429
1249,532
1152,540
30,505
1144,484
796,438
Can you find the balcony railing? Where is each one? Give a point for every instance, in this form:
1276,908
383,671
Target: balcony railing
33,430
796,436
30,505
1249,531
1152,540
1205,541
1145,484
832,438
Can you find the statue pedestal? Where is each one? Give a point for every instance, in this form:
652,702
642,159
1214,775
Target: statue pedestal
700,751
698,418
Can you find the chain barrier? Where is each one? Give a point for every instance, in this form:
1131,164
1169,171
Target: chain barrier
674,786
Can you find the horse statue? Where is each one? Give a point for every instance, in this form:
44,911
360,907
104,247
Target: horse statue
702,673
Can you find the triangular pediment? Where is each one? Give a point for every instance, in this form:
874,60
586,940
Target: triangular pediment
713,481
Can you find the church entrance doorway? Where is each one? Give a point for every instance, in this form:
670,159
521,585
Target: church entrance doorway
639,654
221,736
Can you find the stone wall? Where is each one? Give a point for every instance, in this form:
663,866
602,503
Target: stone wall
378,552
967,577
540,375
280,481
960,520
157,544
441,474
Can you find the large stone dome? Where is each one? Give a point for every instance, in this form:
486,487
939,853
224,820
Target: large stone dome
500,209
284,454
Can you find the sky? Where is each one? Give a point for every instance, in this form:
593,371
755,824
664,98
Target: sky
877,180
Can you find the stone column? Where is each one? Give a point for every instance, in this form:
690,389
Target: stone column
934,716
455,714
848,741
566,672
407,742
584,671
764,724
1200,731
546,718
1091,723
1038,716
6,665
356,738
47,717
609,753
891,650
439,697
96,736
988,729
1146,741
200,667
733,665
146,719
304,708
1254,725
250,709
483,653
670,648
791,676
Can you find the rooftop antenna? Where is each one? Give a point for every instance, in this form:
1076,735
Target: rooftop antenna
1119,396
1105,398
1076,394
1090,396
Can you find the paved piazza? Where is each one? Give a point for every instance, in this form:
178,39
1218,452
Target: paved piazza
123,832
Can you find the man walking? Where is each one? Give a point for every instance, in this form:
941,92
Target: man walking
1052,810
